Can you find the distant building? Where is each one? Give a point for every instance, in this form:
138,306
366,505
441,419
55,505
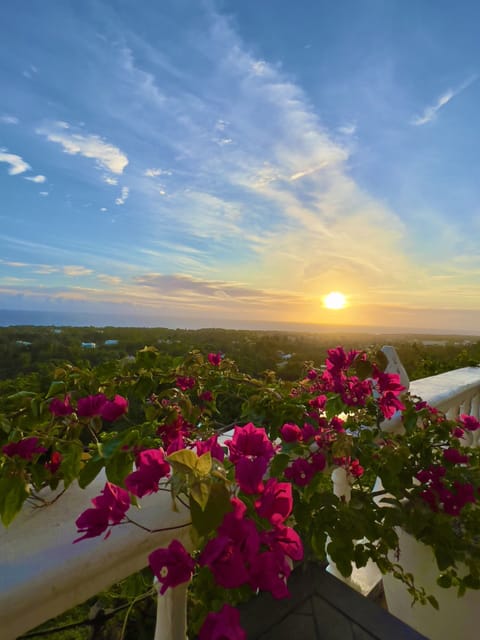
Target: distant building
89,345
110,343
23,343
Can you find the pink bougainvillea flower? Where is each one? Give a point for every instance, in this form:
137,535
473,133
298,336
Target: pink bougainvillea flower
110,508
454,456
336,424
231,553
290,432
54,463
356,469
226,562
215,359
285,540
389,404
469,422
319,402
338,361
276,501
114,409
113,499
249,472
206,396
91,406
250,452
300,472
270,572
171,566
318,461
151,468
211,445
250,441
60,407
185,382
92,522
26,448
224,625
177,444
308,432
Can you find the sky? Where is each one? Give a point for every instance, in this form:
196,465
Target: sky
231,162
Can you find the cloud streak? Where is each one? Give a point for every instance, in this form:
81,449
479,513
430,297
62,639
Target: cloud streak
430,112
106,155
17,163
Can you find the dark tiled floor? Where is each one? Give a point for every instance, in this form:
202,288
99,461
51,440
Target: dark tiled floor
321,608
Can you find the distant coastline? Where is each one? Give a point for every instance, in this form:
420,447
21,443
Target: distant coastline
24,317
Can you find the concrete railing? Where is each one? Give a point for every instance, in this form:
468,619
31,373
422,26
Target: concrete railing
42,574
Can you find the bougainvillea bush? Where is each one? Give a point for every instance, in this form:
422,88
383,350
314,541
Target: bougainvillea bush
252,459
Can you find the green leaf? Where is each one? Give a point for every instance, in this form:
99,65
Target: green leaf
444,558
444,581
147,357
200,492
57,386
433,601
72,463
90,471
333,406
118,467
184,461
21,395
209,519
279,464
363,369
13,494
381,360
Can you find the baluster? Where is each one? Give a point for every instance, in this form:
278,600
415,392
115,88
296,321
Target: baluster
171,613
475,406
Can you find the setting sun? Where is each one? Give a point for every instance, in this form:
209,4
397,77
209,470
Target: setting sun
334,300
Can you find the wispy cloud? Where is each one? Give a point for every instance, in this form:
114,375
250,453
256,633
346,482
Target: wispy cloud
17,163
154,173
111,280
93,146
109,180
75,271
347,129
38,179
430,112
6,119
123,196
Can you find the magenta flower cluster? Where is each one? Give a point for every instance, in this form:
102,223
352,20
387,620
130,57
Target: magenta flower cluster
90,407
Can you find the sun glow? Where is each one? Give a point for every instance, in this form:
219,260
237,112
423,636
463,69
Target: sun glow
334,300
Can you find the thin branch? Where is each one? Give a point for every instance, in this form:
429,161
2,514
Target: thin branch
141,526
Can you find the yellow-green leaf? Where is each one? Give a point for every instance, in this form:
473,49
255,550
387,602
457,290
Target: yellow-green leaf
184,460
200,492
204,464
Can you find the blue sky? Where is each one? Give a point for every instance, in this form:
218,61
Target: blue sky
231,162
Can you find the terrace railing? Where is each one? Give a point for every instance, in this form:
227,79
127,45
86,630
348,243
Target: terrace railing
42,574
